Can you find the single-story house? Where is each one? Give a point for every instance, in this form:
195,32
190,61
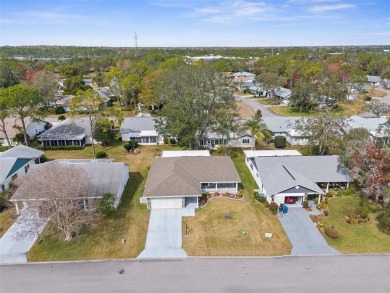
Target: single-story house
244,74
141,129
373,80
75,131
372,125
105,176
291,179
282,94
177,182
16,162
285,126
108,97
258,90
64,102
13,126
241,139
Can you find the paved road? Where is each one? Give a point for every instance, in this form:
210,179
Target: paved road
256,106
164,238
20,237
281,274
384,100
303,234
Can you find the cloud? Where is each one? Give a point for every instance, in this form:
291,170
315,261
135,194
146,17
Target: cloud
322,8
382,33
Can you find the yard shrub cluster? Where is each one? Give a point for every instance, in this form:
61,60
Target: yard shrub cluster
332,232
305,204
259,197
273,207
359,213
60,110
346,192
131,145
101,155
61,118
106,205
280,142
321,205
384,220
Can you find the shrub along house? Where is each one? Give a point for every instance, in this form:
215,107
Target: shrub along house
289,177
178,182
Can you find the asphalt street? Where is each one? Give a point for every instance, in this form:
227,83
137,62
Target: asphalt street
341,273
256,106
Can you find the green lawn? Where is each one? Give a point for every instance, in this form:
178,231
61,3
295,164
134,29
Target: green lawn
104,239
354,238
7,218
217,229
344,109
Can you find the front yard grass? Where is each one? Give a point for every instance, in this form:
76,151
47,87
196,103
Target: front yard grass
104,240
217,229
7,218
354,238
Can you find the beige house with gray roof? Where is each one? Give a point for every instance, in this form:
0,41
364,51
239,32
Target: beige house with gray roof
178,182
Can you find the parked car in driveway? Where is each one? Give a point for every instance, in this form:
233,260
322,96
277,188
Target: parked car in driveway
291,200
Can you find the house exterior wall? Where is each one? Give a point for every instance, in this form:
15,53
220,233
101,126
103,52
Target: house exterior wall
214,143
125,178
297,140
35,128
220,187
254,173
159,140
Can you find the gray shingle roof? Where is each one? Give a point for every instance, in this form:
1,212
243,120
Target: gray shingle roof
373,78
282,173
371,124
22,152
104,175
280,124
68,129
182,176
137,124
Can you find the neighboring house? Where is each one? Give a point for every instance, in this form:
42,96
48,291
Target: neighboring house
241,139
282,94
292,178
244,75
141,129
285,126
258,90
64,102
105,176
15,163
177,182
373,80
76,131
108,97
13,126
370,124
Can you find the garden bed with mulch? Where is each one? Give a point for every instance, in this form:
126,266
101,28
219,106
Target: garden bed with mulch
205,198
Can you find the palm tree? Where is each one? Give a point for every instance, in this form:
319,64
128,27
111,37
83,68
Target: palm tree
254,125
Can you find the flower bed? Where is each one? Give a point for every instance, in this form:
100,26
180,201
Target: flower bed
206,197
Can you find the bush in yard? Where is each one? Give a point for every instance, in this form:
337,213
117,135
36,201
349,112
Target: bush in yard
216,193
305,204
331,193
172,140
60,110
347,219
101,155
266,204
321,205
326,200
280,142
43,159
268,134
166,140
332,232
326,213
384,220
106,205
131,145
61,118
367,98
273,207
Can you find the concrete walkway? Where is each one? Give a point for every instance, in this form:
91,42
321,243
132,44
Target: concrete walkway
164,238
20,237
303,234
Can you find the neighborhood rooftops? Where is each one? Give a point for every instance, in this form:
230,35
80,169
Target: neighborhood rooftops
182,176
373,78
196,153
271,153
371,124
280,124
281,173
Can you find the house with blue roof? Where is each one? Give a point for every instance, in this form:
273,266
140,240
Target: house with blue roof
16,162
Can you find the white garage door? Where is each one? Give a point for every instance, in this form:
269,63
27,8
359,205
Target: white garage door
167,203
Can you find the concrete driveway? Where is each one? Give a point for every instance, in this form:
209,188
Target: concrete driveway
20,237
303,234
164,238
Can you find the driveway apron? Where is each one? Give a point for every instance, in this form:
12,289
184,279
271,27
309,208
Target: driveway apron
303,234
164,238
16,242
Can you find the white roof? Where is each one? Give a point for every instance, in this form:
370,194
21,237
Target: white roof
148,133
272,153
170,154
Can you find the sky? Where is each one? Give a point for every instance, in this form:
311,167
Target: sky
195,23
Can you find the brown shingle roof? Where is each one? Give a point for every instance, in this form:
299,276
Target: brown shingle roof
181,176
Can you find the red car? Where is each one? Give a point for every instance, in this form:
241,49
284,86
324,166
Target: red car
290,200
